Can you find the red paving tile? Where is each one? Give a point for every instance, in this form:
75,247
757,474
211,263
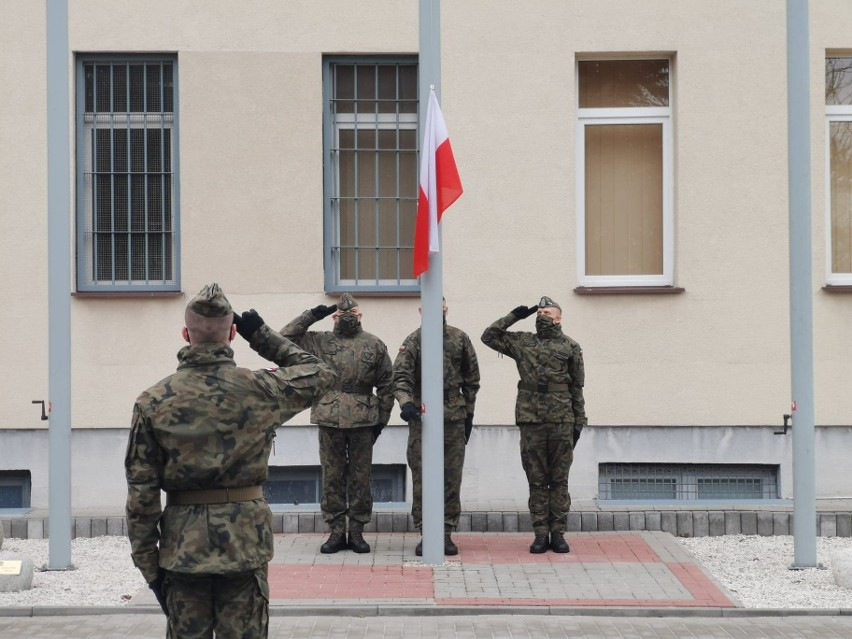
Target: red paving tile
393,582
350,582
514,549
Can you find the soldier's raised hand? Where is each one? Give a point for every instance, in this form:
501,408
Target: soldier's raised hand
322,311
248,323
521,312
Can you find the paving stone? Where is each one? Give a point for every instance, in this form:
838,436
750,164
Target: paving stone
290,523
115,526
99,526
277,523
589,522
620,521
827,525
780,524
306,523
716,523
844,524
653,520
478,522
748,523
575,523
685,524
668,522
494,522
510,522
605,523
464,522
765,524
637,520
700,524
35,530
733,524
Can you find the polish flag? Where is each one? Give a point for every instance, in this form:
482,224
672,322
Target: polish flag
440,185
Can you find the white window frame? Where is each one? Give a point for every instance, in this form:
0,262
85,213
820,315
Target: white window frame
639,115
833,113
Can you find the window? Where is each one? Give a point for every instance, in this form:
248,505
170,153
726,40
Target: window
295,485
687,481
15,487
371,180
838,124
624,179
127,220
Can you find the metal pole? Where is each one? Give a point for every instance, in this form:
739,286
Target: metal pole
801,284
59,299
432,322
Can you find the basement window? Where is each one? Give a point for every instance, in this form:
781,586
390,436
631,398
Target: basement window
676,482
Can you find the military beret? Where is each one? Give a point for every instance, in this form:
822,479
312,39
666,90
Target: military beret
545,302
346,302
210,302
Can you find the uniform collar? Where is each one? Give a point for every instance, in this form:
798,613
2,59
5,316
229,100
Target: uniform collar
205,355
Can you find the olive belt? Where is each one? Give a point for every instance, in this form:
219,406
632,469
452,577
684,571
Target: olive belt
349,387
213,496
543,388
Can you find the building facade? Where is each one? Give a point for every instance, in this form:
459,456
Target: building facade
626,158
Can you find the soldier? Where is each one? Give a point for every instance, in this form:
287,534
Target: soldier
350,417
204,435
461,383
550,412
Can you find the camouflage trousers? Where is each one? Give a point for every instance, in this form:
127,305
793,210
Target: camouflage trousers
547,451
453,465
346,455
233,606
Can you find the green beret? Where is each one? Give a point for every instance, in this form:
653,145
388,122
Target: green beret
545,302
346,302
210,302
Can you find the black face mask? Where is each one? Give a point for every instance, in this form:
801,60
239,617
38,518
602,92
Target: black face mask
348,324
544,325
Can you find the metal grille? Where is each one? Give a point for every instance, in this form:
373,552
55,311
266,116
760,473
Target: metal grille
372,177
128,216
687,481
303,484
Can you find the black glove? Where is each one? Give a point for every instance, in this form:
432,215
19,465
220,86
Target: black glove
410,412
248,323
323,311
577,431
157,587
468,427
521,312
377,430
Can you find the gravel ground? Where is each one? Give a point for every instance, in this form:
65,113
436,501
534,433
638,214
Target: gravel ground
755,570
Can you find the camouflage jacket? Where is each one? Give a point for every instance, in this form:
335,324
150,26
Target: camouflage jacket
211,425
461,373
359,361
553,360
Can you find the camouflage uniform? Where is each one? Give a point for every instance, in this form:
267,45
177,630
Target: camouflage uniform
210,427
347,414
546,416
461,383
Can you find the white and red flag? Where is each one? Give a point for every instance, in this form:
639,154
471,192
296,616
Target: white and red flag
440,185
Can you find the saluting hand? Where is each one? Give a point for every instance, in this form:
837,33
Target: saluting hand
322,311
248,323
521,312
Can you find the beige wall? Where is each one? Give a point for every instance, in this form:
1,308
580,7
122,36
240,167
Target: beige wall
251,195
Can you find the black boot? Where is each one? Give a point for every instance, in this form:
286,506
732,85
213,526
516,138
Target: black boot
336,541
357,543
450,547
539,544
558,543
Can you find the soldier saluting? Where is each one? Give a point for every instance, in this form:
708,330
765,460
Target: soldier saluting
549,411
350,416
203,435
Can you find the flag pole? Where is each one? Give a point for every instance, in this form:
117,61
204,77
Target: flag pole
432,323
801,284
58,297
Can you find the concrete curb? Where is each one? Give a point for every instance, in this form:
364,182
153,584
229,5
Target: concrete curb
428,610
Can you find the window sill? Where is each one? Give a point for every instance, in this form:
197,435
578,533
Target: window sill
837,288
125,294
629,290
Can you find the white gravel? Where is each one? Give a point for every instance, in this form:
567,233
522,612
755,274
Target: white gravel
755,570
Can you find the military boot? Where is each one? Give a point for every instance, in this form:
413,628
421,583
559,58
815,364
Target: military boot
450,547
558,543
357,542
336,541
540,544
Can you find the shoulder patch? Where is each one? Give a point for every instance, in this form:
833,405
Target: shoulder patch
402,348
271,370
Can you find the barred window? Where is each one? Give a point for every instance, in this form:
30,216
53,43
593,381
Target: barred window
371,180
668,482
127,209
